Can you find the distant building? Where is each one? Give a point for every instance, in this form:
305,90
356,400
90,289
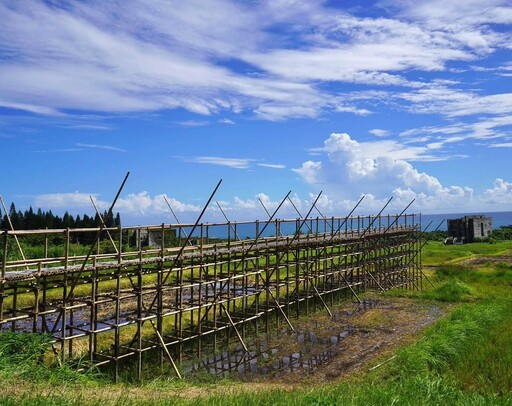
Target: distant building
469,228
153,238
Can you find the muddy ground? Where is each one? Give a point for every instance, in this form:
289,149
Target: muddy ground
506,259
324,348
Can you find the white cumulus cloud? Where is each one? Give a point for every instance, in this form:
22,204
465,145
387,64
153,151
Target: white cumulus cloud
381,169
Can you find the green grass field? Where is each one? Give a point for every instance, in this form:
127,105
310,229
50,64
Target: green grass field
464,358
436,253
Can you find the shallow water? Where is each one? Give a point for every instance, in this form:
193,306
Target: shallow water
309,349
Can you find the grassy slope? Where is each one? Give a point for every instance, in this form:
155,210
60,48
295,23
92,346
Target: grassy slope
464,359
436,253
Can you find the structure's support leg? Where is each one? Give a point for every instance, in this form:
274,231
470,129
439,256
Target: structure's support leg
234,328
321,299
166,351
376,281
350,287
245,255
246,350
269,292
177,259
418,251
56,355
140,304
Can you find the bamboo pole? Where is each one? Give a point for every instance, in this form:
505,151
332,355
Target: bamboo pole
11,226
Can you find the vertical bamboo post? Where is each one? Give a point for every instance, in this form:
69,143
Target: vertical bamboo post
277,279
4,257
35,313
229,234
215,311
65,296
420,259
287,265
117,331
44,326
46,244
199,292
181,311
257,282
14,307
297,271
159,322
139,317
93,312
4,267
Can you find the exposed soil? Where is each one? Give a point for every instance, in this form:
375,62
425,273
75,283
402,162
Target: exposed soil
377,330
324,348
506,259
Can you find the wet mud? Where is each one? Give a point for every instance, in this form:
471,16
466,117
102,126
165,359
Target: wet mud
322,347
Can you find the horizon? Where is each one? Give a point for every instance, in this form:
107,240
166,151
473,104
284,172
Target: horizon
382,99
206,219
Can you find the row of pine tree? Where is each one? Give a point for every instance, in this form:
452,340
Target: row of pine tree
35,220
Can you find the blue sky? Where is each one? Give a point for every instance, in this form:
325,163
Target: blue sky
410,99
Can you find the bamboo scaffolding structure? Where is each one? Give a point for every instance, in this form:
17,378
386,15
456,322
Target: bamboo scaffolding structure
207,290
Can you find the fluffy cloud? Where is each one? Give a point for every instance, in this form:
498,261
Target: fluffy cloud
75,200
310,171
143,204
138,204
371,166
380,169
262,203
500,194
142,208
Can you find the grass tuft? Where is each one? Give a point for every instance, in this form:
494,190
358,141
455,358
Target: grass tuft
26,356
450,291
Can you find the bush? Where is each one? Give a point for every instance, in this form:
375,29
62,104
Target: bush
502,233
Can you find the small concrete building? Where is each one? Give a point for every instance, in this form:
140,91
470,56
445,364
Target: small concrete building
153,238
470,228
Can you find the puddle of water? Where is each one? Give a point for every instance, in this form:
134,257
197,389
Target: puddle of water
81,316
54,324
433,313
365,305
312,352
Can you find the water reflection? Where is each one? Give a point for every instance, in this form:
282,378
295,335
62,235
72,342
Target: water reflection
310,351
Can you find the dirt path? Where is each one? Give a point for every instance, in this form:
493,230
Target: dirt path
480,260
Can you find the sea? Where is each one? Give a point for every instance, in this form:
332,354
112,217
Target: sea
248,230
499,219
